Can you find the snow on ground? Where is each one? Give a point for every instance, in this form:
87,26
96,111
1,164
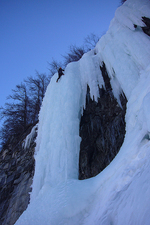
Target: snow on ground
120,193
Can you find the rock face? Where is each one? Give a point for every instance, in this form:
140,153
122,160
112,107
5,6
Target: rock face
146,28
102,129
16,172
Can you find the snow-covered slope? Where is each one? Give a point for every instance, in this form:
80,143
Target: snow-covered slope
120,193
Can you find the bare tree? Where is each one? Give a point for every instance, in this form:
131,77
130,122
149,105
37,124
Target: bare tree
37,87
74,54
15,113
20,107
90,41
23,107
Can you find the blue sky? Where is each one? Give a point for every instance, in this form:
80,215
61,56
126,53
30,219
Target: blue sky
32,32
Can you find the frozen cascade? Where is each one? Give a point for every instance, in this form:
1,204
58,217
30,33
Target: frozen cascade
29,138
60,158
120,193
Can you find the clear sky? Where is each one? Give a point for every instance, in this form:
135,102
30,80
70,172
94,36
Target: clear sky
32,32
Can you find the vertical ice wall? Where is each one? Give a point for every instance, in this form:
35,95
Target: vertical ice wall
58,135
58,141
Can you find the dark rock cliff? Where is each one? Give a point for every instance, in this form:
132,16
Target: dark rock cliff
146,28
102,129
16,172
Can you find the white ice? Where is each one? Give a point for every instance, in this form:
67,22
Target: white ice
26,142
120,193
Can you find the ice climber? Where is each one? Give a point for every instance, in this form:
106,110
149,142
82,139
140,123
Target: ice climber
60,73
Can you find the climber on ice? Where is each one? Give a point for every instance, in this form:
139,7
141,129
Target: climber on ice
60,73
